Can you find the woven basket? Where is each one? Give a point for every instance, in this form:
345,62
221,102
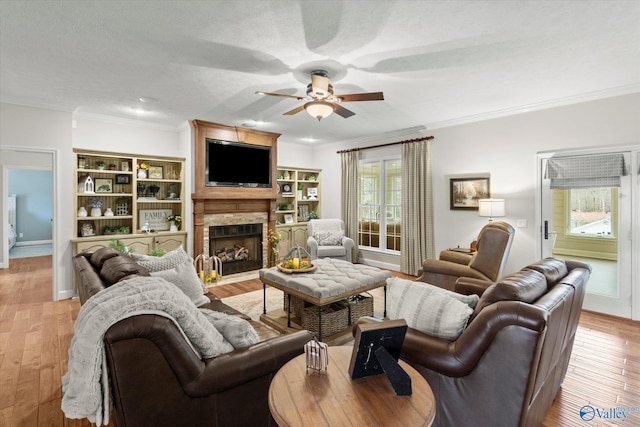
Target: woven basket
297,304
360,305
335,318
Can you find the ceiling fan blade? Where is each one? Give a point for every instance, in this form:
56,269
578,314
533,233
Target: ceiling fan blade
299,98
343,112
320,85
371,96
294,111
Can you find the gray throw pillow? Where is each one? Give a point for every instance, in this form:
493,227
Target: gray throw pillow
170,260
235,330
329,238
429,309
185,277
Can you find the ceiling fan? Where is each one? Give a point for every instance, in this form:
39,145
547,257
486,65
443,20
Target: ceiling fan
321,101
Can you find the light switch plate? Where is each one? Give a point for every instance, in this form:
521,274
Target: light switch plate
521,223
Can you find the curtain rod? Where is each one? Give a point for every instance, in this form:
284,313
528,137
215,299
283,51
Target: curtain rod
426,138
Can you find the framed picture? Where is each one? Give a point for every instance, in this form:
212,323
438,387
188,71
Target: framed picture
465,192
124,166
288,219
123,179
155,219
104,185
155,172
86,228
312,191
369,338
286,189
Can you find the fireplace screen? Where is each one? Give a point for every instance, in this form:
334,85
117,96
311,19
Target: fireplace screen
239,247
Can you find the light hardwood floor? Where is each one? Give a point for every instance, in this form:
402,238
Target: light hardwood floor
35,334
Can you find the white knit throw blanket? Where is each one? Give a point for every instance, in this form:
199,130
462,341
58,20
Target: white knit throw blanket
85,386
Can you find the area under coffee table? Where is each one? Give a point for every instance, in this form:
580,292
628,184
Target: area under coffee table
332,281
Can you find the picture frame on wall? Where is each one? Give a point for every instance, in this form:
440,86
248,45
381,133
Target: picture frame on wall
288,219
156,172
464,193
104,185
86,228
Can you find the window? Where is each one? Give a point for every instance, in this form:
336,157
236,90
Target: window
590,211
380,191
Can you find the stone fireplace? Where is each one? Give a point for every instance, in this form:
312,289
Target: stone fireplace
237,240
215,206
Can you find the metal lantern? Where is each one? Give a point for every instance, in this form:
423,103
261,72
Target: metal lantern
122,206
297,259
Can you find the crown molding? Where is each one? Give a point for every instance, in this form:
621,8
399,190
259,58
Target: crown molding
544,105
124,121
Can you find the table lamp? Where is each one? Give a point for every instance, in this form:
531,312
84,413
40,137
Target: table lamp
491,208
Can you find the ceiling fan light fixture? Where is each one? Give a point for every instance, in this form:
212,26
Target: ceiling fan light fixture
319,109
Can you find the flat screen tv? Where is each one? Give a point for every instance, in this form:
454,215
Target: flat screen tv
236,164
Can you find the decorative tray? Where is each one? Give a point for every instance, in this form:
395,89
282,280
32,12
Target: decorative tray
309,269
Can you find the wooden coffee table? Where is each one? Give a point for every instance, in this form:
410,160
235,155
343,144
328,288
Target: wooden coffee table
332,398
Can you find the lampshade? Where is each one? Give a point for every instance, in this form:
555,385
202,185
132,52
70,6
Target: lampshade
319,109
491,208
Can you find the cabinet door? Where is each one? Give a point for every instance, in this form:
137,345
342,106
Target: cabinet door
91,246
139,245
299,236
285,243
169,243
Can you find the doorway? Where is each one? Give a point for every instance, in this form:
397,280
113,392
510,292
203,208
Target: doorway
22,158
587,216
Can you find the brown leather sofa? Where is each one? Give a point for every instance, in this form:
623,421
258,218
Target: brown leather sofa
487,263
157,380
507,366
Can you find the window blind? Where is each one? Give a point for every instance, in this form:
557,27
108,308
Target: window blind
601,170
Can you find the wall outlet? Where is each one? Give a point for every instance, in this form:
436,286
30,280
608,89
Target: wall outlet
21,235
521,223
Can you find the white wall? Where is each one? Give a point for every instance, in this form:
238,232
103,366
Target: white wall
506,148
34,128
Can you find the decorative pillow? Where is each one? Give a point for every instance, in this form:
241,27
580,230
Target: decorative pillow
237,331
170,260
185,277
470,300
328,238
119,267
427,308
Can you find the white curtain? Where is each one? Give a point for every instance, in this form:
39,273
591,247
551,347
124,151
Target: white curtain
349,205
416,238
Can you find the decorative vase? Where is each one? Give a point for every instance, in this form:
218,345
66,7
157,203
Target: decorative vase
141,186
172,226
96,212
299,194
100,167
82,211
275,257
108,212
142,173
154,189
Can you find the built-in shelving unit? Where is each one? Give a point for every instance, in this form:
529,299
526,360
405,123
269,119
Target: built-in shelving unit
298,200
134,201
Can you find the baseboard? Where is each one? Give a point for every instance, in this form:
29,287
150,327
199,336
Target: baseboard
65,294
34,243
379,264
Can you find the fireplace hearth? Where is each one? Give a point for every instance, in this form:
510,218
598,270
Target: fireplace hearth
238,246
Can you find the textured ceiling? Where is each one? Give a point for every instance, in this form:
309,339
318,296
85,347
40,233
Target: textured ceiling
436,62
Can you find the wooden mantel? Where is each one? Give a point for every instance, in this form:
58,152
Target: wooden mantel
227,200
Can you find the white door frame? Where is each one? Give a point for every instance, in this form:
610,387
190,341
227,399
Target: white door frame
633,169
4,169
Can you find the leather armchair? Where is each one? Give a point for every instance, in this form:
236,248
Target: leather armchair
318,230
486,264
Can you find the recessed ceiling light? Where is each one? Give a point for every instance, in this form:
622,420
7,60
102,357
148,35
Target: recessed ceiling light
148,100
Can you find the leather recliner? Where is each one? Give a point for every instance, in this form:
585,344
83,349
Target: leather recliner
507,366
486,264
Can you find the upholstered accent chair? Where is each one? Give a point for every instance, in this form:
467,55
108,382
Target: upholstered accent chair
326,239
487,263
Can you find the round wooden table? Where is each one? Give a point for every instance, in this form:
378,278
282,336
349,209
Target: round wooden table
332,398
